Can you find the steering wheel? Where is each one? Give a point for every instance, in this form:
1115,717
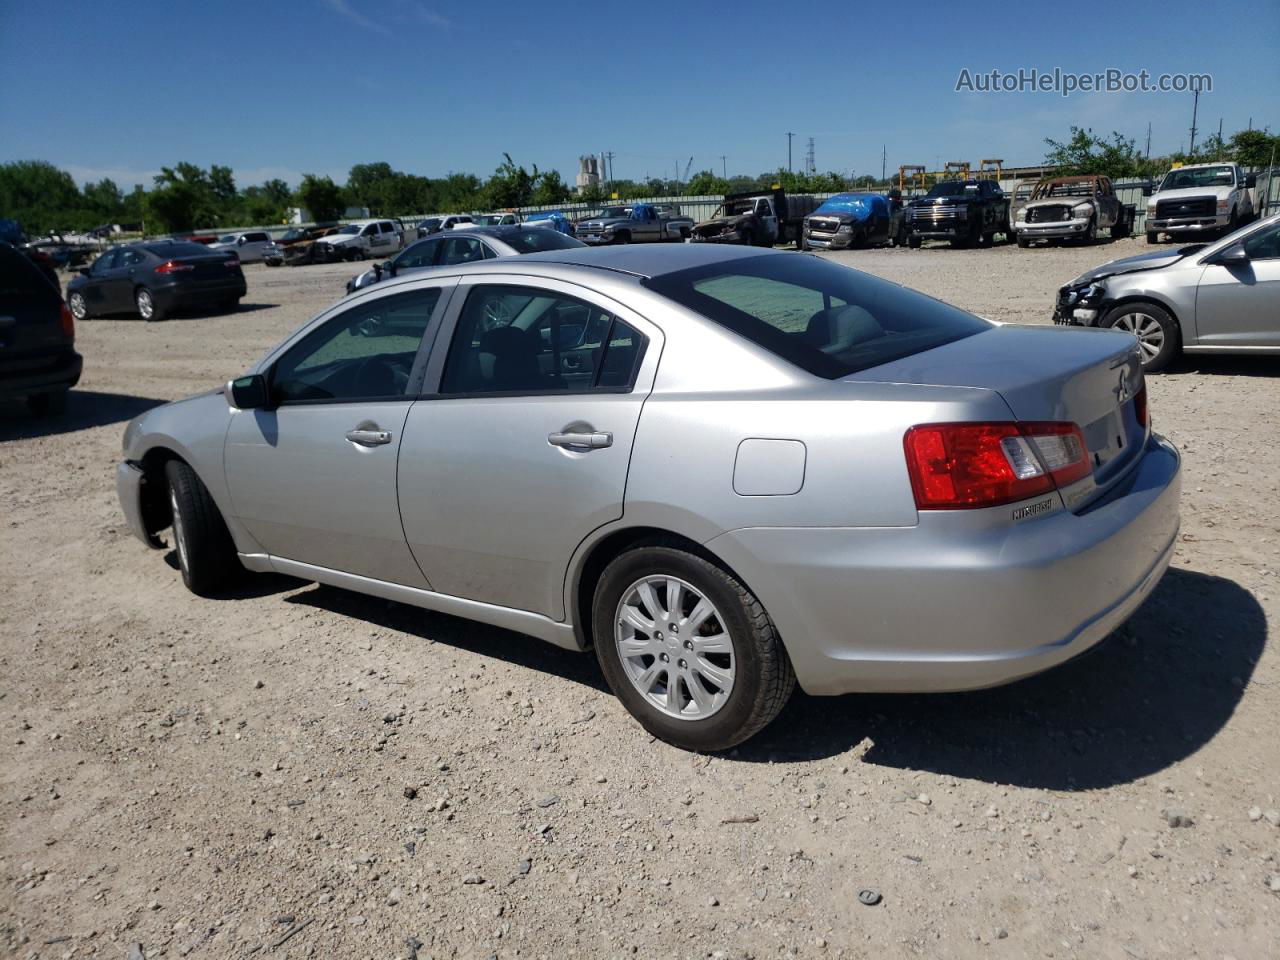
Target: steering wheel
378,377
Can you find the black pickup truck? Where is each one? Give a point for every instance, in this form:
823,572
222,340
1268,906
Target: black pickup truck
969,213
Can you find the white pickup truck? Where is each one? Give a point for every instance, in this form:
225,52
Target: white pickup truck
1212,197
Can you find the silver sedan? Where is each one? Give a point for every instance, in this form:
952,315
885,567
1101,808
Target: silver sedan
727,470
1221,297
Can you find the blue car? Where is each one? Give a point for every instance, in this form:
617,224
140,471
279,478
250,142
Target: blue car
857,220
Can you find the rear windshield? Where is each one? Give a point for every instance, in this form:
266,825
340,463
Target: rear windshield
950,188
540,238
829,320
168,250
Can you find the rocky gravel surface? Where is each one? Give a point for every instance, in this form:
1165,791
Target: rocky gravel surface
296,771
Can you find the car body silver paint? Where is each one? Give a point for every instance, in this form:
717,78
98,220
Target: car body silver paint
867,592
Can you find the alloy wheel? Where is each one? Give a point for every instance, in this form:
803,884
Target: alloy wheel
146,307
77,307
179,531
1146,328
674,647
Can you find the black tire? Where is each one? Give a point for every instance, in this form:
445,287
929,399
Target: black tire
748,238
206,553
1233,222
987,240
48,404
914,242
801,243
1123,228
622,236
1023,242
900,238
229,306
147,308
1090,233
763,676
1171,335
1153,236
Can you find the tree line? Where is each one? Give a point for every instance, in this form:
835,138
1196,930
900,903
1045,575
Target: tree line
185,197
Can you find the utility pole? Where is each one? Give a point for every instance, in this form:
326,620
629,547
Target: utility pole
884,153
810,165
724,166
608,168
789,136
1195,108
1219,156
1148,139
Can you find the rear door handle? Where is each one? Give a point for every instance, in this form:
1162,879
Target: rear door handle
369,438
581,441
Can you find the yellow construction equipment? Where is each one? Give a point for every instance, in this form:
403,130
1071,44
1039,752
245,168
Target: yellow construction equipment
917,173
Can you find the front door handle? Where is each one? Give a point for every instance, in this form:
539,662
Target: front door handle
581,441
369,438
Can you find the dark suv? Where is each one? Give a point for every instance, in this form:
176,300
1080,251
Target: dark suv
37,336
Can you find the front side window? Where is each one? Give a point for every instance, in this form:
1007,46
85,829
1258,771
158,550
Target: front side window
824,318
461,250
512,339
105,262
365,353
421,254
1265,244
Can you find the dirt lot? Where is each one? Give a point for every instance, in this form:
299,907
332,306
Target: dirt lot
209,777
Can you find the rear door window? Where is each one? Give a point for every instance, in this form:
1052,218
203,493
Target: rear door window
824,318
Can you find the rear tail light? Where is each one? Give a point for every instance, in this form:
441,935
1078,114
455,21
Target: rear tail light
1140,407
961,466
174,266
68,323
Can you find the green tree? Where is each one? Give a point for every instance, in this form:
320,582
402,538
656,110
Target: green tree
321,197
182,199
551,189
510,185
1083,152
1253,148
223,185
705,183
41,197
104,200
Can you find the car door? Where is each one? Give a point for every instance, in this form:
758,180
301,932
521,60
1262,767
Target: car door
122,279
524,447
314,478
1236,304
96,286
768,220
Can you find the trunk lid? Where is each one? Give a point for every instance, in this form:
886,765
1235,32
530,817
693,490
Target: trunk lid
1086,376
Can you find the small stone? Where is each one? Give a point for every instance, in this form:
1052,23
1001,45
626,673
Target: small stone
411,793
1001,933
819,942
603,779
1132,871
1273,882
473,879
356,921
1255,814
1176,818
992,812
524,867
393,897
550,801
713,901
258,685
923,799
1272,817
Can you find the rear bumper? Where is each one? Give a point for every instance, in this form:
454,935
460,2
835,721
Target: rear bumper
61,373
199,292
951,604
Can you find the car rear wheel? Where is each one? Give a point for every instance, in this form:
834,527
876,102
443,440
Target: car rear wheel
206,553
1123,228
147,307
1023,242
79,309
1090,233
1153,236
1155,328
688,649
914,242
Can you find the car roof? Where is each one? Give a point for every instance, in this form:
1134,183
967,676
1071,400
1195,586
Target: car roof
652,259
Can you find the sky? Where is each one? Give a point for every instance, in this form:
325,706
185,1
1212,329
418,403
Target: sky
286,87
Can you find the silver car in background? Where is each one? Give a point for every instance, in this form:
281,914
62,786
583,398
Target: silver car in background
465,244
728,470
1222,297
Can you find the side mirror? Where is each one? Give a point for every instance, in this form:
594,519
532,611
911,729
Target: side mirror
1232,256
1250,180
390,267
247,393
239,241
1146,190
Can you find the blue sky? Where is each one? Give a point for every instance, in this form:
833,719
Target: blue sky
284,87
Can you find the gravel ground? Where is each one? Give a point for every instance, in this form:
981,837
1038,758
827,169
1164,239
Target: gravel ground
299,771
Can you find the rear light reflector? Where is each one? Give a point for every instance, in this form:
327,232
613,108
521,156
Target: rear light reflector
1140,407
963,466
68,323
174,266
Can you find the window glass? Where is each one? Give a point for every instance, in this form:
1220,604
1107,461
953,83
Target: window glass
421,254
462,250
105,262
370,230
129,258
824,318
1265,244
364,353
540,238
166,251
526,340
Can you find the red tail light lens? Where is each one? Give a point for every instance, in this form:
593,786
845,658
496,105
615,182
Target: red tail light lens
1140,407
68,323
174,266
962,466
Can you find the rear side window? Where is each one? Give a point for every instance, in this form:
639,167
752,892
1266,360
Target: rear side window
167,251
512,339
824,318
